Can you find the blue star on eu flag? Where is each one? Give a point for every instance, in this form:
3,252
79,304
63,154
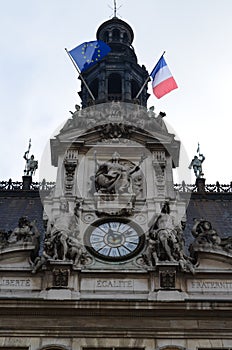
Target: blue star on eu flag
89,53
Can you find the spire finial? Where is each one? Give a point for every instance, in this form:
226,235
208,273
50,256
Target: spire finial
115,8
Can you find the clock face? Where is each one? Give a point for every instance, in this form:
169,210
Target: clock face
114,240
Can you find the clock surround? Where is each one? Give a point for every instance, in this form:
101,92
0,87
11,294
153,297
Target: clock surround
114,239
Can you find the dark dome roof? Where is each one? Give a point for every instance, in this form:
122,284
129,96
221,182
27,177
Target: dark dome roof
115,23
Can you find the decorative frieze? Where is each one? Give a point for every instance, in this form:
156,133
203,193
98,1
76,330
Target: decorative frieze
159,164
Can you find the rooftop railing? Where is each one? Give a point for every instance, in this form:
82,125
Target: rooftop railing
48,186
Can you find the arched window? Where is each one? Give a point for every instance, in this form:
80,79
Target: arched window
94,88
53,347
115,84
106,36
134,88
116,34
125,38
171,347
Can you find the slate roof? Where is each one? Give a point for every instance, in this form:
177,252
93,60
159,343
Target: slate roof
213,207
15,204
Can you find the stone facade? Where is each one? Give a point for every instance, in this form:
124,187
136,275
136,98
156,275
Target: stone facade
111,268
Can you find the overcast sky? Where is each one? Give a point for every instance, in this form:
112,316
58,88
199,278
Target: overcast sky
39,84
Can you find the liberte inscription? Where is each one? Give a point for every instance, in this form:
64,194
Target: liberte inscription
13,283
210,285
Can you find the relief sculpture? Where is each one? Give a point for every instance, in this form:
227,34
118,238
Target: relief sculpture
115,176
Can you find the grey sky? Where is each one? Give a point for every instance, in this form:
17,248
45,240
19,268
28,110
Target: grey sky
39,84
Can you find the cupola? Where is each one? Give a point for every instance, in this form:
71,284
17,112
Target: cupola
118,76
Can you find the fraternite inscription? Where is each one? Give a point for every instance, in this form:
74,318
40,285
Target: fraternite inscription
210,285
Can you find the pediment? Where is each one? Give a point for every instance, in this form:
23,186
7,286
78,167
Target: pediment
115,113
214,259
114,132
16,256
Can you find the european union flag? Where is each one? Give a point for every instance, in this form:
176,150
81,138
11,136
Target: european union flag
89,53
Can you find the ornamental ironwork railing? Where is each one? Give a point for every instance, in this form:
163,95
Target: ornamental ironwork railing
209,188
48,186
18,185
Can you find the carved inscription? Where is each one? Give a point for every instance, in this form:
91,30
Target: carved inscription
209,285
122,285
114,284
15,283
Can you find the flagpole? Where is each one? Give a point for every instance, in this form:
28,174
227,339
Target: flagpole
148,78
143,86
158,62
83,80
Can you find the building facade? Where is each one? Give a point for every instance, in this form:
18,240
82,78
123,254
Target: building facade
115,256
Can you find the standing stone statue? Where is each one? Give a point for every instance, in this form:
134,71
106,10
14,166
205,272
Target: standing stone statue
31,163
163,233
196,163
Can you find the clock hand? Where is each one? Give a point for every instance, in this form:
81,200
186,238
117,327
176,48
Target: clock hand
110,232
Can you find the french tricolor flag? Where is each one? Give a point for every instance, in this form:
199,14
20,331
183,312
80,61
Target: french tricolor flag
163,81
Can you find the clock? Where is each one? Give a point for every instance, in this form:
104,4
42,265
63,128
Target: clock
114,239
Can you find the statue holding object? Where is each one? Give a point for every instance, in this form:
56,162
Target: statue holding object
114,177
31,163
196,163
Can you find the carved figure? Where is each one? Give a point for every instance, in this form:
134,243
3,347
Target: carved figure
196,163
62,247
114,176
26,231
66,222
151,112
4,239
115,130
61,241
76,112
76,251
31,163
151,256
47,254
159,120
166,242
226,244
163,233
64,226
205,235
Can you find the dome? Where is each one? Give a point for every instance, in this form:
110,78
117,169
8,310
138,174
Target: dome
114,31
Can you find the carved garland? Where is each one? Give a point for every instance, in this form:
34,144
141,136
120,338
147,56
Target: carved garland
70,164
